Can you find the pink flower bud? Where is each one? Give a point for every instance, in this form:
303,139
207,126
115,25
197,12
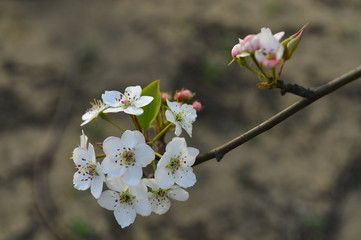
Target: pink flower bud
197,106
236,50
165,96
183,95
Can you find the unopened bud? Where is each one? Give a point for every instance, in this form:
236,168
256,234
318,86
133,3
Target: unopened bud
197,106
183,95
291,43
165,96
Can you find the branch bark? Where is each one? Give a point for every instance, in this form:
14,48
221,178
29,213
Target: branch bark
219,152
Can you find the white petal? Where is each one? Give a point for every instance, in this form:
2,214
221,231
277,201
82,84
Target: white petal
139,191
188,127
111,145
134,110
128,139
169,116
81,156
83,140
91,153
178,129
81,181
112,168
132,175
178,194
144,154
150,182
279,35
112,98
185,177
142,207
143,101
116,184
165,159
109,200
125,215
164,177
114,110
176,146
133,91
191,156
96,186
139,137
159,206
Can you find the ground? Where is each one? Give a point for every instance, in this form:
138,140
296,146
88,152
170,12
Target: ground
299,180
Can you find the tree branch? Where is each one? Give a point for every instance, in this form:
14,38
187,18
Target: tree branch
219,152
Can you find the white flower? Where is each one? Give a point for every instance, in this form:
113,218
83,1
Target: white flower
182,116
126,156
175,165
270,50
97,107
125,201
89,172
130,102
159,197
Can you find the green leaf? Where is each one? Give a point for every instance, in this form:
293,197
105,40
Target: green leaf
152,109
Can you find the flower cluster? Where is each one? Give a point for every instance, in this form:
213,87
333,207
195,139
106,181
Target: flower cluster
266,51
123,169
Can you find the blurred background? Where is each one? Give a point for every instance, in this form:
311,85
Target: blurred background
300,180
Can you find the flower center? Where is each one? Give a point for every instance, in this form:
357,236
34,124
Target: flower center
126,197
88,171
128,157
179,117
174,164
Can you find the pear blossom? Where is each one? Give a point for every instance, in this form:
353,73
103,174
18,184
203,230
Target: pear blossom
271,50
125,201
182,116
175,165
92,113
126,156
89,173
130,102
159,197
197,106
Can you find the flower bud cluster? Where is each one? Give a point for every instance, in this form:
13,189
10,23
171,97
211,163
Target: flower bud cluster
125,158
267,52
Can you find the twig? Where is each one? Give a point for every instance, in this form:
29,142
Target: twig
219,152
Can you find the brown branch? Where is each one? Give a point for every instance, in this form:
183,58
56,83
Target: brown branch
219,152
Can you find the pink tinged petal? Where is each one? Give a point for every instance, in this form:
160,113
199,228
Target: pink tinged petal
278,36
111,146
144,154
150,182
109,200
112,98
96,186
185,177
143,101
133,110
236,50
81,181
132,175
116,184
125,215
164,177
159,206
169,116
142,206
112,168
270,63
178,194
114,110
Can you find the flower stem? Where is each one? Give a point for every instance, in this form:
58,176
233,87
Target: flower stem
105,117
136,122
259,66
161,133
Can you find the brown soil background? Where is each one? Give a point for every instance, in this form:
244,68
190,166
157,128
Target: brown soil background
300,180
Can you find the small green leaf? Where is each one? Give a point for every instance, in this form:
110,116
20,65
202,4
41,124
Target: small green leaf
152,109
